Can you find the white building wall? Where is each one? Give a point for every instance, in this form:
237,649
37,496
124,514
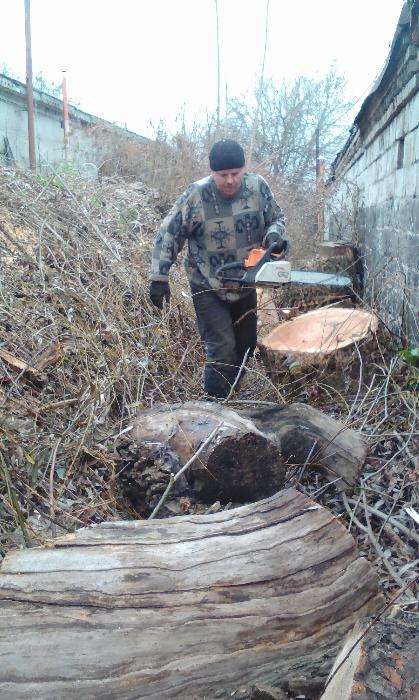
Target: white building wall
387,203
49,132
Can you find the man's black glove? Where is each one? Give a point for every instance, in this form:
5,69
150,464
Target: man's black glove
281,246
271,238
275,238
158,292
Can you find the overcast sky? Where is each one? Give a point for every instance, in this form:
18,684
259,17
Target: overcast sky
136,61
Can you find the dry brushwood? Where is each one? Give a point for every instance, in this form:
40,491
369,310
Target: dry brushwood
183,607
80,345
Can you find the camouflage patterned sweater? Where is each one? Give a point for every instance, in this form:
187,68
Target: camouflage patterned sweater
217,230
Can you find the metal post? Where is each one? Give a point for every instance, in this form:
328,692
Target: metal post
29,87
317,152
320,187
218,65
65,116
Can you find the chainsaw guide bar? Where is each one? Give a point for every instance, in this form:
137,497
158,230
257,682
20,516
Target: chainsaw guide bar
265,268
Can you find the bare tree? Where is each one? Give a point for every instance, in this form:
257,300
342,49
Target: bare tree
262,73
289,115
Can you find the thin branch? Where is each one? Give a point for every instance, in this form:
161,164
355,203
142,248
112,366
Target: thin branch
391,519
175,477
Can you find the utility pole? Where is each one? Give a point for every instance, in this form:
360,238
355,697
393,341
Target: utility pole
321,192
29,87
317,152
320,187
65,116
258,96
218,65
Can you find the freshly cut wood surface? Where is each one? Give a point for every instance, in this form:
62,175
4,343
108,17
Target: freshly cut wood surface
303,431
316,335
183,607
239,464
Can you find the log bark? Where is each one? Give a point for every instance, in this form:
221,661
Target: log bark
240,464
313,338
384,664
183,607
302,431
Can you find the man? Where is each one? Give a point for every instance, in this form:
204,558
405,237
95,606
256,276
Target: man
222,217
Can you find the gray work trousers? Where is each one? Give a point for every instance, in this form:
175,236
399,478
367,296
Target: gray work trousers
228,330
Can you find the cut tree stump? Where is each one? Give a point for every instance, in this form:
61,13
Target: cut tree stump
333,249
384,664
268,317
240,463
315,337
304,432
184,607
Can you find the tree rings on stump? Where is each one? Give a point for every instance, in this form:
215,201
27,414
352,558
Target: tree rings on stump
314,337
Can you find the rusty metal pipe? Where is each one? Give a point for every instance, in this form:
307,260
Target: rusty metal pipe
66,122
29,87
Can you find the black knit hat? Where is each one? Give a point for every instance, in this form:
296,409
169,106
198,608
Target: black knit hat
226,155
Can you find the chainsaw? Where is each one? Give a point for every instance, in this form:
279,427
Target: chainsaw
267,268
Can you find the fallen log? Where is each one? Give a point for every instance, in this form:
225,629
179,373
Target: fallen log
184,607
239,464
247,459
304,433
381,664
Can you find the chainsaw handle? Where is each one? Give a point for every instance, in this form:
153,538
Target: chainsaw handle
279,248
230,266
274,249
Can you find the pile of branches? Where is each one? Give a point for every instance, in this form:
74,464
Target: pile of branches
374,393
82,349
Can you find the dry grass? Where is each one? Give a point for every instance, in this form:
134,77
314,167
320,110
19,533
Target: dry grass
81,349
170,163
74,307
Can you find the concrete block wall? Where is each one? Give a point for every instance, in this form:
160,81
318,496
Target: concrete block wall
382,163
13,123
49,132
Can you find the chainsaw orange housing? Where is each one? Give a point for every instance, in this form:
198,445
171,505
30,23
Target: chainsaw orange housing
254,257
